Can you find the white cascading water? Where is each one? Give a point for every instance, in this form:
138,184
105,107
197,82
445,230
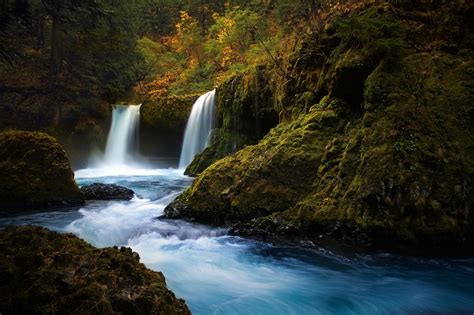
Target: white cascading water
122,134
198,129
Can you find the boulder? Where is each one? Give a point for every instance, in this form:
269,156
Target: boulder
35,173
44,272
99,191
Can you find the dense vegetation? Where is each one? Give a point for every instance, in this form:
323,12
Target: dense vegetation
61,63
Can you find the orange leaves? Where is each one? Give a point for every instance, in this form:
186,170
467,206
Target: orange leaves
159,86
227,57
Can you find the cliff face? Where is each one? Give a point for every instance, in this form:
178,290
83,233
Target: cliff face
244,114
162,124
43,272
35,172
379,142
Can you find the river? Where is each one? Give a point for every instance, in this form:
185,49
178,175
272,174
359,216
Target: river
220,274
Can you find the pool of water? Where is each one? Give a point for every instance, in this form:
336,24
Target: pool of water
220,274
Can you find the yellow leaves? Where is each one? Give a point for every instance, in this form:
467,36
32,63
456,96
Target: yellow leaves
346,7
185,21
193,63
226,26
227,56
188,37
185,16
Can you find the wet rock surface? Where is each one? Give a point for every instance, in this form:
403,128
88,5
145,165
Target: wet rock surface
99,191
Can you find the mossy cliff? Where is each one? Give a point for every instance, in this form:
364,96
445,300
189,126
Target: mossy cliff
169,113
244,114
379,149
35,172
43,272
162,124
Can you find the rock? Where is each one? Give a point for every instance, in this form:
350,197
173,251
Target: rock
99,191
389,163
162,123
244,114
44,272
35,173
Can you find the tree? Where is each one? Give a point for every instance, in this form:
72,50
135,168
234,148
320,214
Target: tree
234,33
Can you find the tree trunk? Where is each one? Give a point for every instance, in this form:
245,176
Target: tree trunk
40,31
56,60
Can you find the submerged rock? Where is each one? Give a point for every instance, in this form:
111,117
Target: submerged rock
43,272
389,162
35,172
99,191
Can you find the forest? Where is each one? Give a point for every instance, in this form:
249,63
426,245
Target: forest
75,55
236,156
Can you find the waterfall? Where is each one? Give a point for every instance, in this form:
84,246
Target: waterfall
198,128
122,134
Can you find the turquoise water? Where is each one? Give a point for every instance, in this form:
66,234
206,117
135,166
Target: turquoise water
220,274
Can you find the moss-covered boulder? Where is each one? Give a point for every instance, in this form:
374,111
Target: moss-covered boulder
260,179
35,173
43,272
222,143
389,162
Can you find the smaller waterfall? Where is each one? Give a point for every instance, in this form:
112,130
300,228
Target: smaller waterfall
198,129
122,134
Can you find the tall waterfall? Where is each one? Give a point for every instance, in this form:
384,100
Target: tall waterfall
122,134
198,129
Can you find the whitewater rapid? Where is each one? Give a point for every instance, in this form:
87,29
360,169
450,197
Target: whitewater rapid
220,274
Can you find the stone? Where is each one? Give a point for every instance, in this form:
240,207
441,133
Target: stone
98,191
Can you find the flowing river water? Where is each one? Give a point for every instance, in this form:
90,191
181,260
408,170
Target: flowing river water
220,274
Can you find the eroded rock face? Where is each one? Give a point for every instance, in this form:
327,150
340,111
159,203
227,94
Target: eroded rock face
43,272
389,163
99,191
35,173
244,114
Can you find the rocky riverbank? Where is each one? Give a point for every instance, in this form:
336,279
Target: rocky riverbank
379,145
43,272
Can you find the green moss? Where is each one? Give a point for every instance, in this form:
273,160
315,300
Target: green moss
44,272
264,178
222,143
385,155
35,172
389,174
244,114
168,113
